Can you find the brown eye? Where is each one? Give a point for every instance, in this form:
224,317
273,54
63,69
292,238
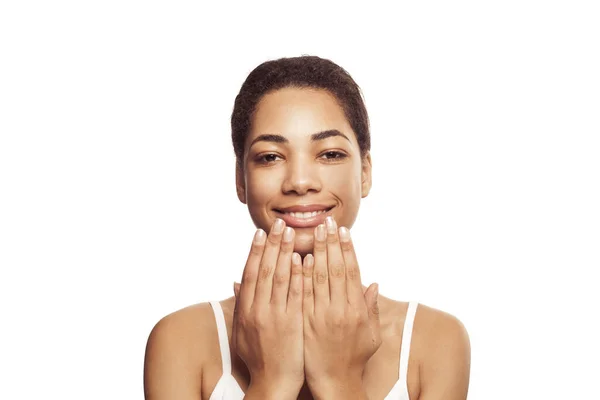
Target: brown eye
334,155
267,158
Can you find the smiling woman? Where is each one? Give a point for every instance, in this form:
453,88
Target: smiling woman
301,324
302,156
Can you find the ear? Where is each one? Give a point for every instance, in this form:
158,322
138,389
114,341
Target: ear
240,184
366,175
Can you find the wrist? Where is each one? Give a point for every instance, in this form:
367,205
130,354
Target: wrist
348,389
272,389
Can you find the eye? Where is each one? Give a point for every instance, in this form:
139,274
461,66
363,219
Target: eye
267,158
333,155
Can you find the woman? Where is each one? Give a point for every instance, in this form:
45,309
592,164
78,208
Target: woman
301,324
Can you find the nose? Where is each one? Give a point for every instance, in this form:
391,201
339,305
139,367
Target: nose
301,177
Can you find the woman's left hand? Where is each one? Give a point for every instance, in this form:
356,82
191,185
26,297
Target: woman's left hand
341,323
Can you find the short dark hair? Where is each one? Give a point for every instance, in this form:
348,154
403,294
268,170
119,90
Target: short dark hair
301,72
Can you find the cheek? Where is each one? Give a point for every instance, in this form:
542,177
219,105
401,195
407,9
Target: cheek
261,188
345,183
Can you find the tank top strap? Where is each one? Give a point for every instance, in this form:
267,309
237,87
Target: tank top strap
223,340
406,338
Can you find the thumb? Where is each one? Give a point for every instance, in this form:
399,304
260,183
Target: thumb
236,292
372,300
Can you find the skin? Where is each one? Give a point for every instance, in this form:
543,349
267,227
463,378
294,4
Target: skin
340,313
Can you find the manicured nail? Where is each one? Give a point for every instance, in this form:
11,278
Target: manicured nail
344,234
278,226
331,226
259,236
309,260
287,234
321,232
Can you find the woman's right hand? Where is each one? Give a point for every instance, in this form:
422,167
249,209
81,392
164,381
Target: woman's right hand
268,322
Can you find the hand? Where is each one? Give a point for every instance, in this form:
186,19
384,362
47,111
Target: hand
267,320
341,323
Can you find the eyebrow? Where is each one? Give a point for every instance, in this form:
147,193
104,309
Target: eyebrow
313,138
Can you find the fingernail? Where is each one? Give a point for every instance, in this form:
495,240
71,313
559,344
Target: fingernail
259,236
330,224
344,234
278,226
287,234
321,232
376,291
309,260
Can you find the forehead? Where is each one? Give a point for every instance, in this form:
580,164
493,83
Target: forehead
297,113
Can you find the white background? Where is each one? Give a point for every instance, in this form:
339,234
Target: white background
117,182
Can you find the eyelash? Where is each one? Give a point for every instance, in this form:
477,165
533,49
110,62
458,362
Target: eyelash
338,155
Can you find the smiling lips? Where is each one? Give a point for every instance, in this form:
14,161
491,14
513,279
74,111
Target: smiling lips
304,216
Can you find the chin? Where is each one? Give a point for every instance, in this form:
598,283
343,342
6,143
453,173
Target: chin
304,244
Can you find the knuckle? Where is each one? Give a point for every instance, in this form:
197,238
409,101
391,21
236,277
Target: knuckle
249,275
295,291
308,292
296,269
257,249
265,272
274,238
338,321
358,318
347,246
321,277
280,279
352,273
260,319
361,322
375,309
241,320
286,247
337,270
320,245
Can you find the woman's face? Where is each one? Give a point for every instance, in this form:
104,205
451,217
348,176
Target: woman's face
301,163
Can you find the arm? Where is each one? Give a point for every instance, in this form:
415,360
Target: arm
171,371
352,389
446,368
269,391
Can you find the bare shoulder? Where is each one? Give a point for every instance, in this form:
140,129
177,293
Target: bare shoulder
445,350
176,352
439,325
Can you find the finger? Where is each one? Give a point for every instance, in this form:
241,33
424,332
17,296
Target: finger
335,265
308,301
236,291
294,300
320,274
353,282
264,280
251,270
281,278
371,299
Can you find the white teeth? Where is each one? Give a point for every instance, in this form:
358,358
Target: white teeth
305,215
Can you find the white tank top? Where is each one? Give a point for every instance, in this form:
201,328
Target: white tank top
227,387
